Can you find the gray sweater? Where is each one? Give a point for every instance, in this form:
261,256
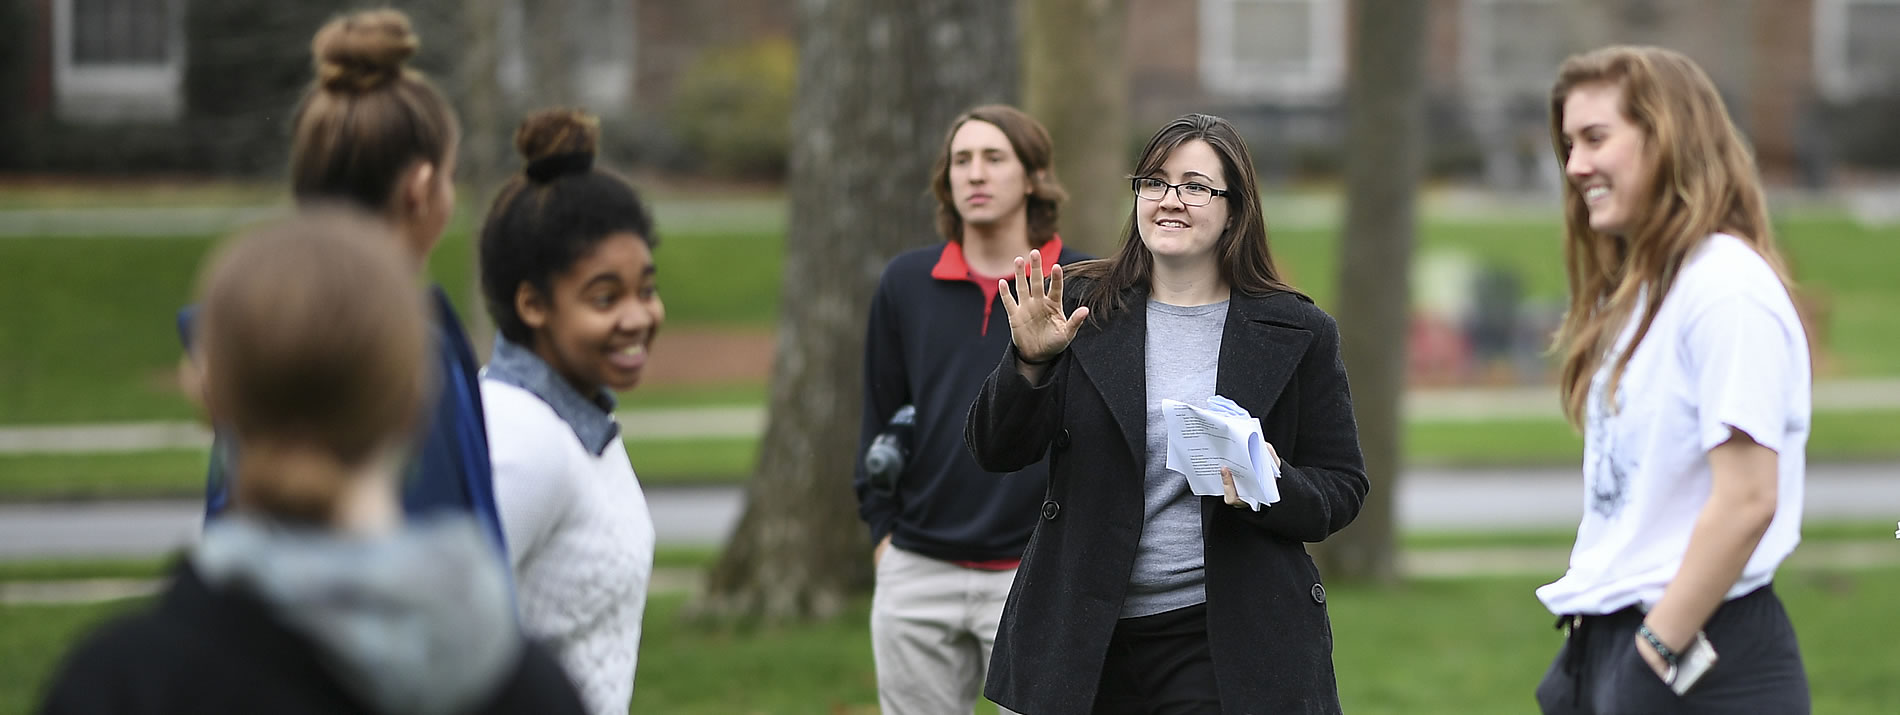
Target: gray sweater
1183,358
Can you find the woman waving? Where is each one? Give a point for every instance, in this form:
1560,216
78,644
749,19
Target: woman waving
1135,595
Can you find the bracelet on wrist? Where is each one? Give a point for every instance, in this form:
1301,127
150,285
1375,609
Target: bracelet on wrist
1669,656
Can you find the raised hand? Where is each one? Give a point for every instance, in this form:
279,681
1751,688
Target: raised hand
1036,323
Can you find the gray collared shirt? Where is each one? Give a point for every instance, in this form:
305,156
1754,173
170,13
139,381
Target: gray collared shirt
591,419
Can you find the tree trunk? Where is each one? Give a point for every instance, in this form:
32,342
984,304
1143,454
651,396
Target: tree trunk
878,84
551,58
485,143
1384,158
1077,85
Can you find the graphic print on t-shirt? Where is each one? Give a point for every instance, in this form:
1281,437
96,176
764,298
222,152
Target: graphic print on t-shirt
1606,476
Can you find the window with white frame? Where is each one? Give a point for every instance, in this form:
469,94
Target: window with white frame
1285,50
1855,50
1512,47
118,59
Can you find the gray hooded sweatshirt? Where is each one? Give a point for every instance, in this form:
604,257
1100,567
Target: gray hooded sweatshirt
415,621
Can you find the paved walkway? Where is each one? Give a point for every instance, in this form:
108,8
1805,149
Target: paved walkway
636,426
94,590
1426,499
142,222
651,425
744,216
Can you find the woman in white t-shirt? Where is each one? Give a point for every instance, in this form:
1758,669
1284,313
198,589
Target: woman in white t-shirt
1686,366
568,274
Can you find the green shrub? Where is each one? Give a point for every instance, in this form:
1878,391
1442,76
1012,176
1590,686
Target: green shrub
733,108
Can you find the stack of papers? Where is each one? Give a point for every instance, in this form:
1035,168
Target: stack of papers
1202,440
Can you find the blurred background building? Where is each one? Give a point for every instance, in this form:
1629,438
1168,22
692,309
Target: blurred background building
203,86
1803,77
181,85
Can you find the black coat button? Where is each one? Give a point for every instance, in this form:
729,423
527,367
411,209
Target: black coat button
1319,593
1062,439
1049,510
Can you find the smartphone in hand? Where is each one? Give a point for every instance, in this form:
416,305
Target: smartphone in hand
1695,662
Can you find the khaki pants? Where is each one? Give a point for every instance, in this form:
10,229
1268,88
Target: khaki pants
933,624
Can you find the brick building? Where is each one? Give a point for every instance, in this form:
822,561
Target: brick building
1800,75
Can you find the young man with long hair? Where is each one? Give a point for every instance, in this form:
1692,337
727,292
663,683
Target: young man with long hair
949,536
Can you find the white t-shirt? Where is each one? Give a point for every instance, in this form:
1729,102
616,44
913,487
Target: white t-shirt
1727,350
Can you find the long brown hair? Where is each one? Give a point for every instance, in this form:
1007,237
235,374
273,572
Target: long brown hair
316,347
1705,182
367,117
1245,259
1033,148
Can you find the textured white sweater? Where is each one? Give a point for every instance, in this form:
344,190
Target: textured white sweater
580,538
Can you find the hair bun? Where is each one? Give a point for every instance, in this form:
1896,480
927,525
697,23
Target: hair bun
364,50
557,141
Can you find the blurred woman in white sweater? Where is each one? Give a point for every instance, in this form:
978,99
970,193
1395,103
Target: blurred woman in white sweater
568,275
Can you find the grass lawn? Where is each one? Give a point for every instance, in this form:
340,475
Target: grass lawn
89,332
661,396
1831,533
32,641
1463,646
695,461
64,570
91,337
1480,645
1838,436
677,557
126,475
1849,267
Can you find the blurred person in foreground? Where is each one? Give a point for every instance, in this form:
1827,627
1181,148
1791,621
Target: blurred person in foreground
373,134
948,535
568,273
312,595
1687,368
1136,595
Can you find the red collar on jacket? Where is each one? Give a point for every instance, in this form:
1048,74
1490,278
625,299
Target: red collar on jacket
951,266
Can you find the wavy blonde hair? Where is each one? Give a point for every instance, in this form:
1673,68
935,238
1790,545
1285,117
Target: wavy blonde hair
1705,181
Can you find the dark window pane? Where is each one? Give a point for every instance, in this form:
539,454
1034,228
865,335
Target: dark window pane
121,31
1872,54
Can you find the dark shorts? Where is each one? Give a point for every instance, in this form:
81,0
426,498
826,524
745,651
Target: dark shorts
1599,671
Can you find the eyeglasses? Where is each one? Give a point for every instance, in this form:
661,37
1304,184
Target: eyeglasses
1191,193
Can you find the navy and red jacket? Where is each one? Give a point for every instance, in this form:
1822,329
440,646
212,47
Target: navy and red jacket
936,332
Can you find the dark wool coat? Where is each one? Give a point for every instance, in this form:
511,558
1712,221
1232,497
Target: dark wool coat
1268,632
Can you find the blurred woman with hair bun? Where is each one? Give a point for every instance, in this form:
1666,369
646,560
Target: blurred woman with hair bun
311,594
374,135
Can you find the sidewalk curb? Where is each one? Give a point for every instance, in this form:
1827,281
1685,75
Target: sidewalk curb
666,580
1416,564
749,421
